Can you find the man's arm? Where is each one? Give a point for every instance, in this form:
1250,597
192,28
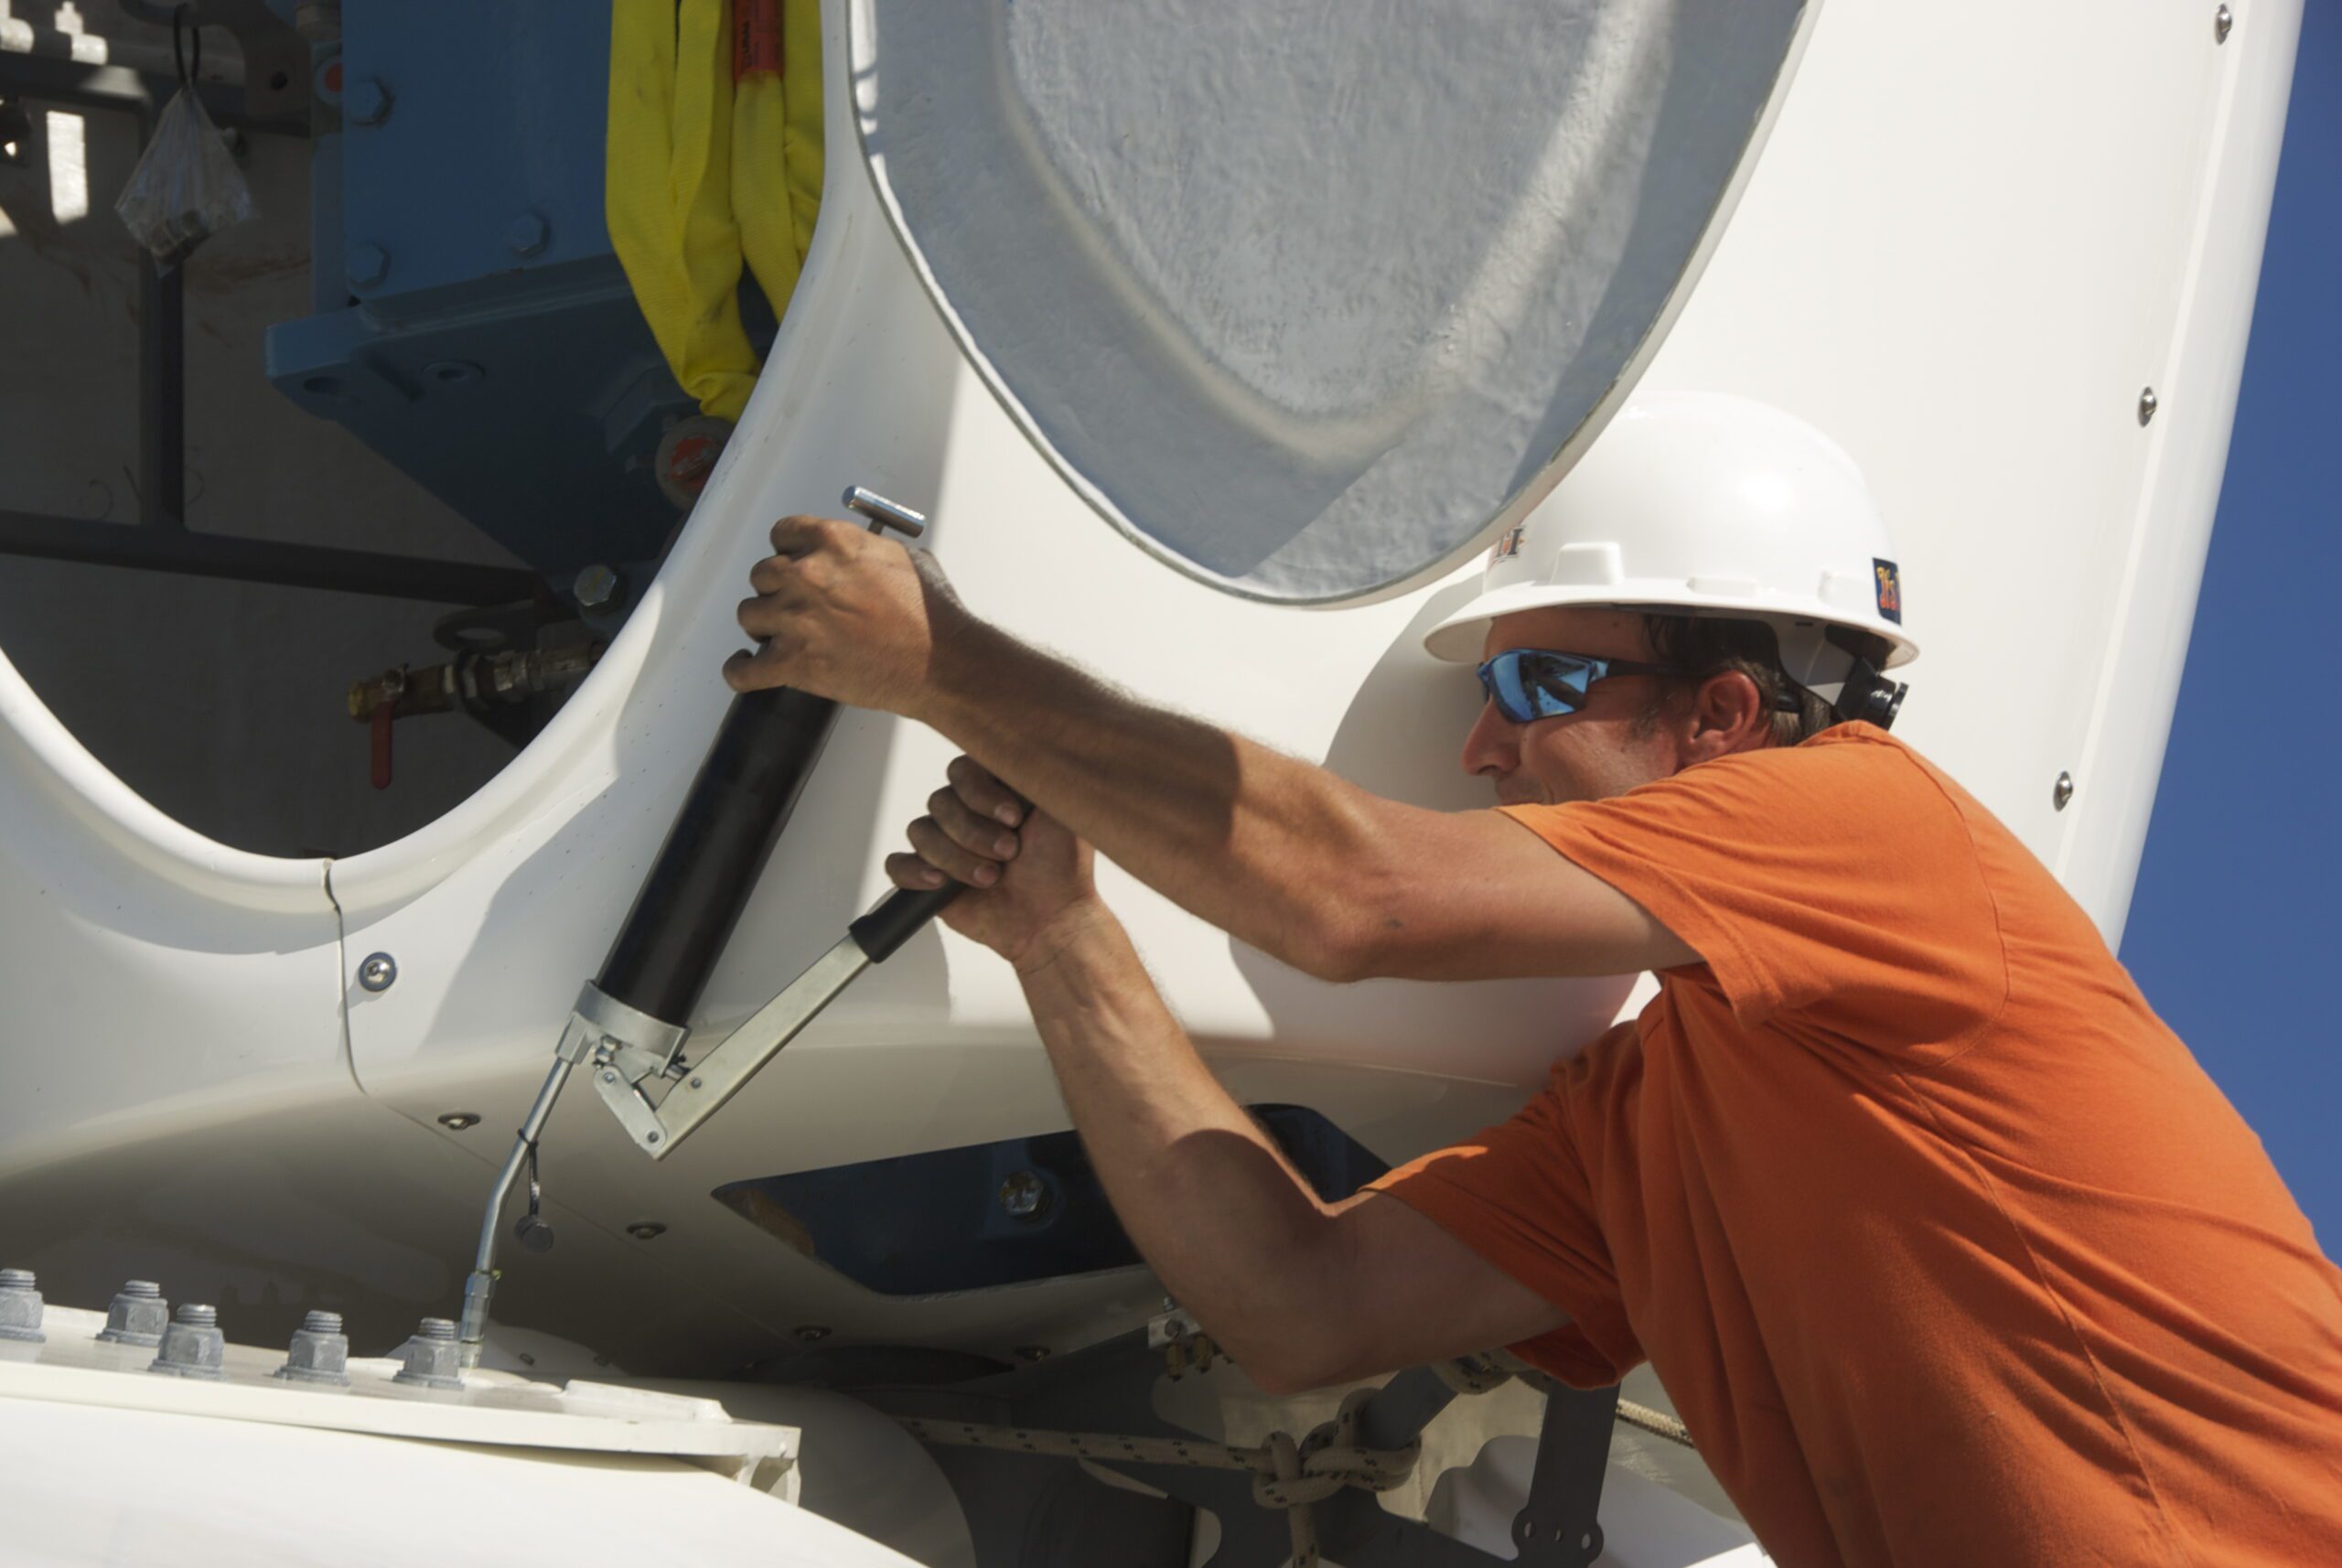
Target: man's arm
1331,878
1300,1292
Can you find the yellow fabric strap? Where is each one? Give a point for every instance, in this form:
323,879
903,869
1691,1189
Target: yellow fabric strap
776,153
699,172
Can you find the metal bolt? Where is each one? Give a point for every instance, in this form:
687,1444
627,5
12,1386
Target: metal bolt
320,1352
2222,20
695,1083
137,1316
192,1345
459,1121
366,103
433,1358
527,234
1024,1195
810,1332
1032,1352
650,1137
379,971
646,1229
2147,404
20,1306
2062,791
365,265
594,587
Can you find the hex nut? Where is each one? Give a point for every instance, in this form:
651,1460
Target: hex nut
367,102
193,1346
365,265
137,1316
20,1306
320,1352
527,235
594,587
434,1359
1024,1195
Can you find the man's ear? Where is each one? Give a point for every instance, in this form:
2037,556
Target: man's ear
1728,714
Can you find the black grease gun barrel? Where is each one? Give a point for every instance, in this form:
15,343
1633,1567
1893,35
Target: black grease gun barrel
738,804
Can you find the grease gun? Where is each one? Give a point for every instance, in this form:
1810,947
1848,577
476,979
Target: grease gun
630,1022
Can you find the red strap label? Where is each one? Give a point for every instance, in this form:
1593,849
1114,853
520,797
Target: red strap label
755,38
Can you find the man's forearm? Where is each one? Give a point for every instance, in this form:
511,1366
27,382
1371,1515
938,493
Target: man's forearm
1229,1228
1256,843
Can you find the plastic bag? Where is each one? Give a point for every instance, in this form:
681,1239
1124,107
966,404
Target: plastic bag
187,187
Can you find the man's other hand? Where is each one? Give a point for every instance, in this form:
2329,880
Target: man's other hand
845,614
1029,889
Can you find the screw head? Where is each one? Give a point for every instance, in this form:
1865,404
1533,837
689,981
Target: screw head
594,587
459,1121
2147,403
366,103
1032,1352
646,1229
810,1332
527,234
378,972
2062,791
2222,20
1024,1195
365,265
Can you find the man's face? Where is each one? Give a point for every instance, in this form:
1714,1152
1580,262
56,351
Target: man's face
1606,748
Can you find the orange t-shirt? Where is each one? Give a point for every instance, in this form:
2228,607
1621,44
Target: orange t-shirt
1946,1249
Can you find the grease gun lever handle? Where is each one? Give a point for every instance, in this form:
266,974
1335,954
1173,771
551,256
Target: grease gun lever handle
899,918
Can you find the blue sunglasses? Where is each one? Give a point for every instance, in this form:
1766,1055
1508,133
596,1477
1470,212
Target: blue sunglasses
1531,683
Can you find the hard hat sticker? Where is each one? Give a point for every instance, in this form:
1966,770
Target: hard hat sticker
1890,589
1507,545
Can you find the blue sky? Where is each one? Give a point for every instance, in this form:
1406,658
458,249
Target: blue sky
2234,933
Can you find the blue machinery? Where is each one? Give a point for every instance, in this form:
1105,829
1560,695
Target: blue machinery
468,318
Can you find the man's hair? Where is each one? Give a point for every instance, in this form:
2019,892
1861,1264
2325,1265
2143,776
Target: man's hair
1716,645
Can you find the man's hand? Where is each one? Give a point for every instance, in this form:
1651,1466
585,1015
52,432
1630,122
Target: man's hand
845,614
1028,880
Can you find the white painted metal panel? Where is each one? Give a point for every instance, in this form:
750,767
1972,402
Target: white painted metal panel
1309,303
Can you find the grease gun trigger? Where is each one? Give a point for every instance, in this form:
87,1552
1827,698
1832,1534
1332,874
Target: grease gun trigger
703,1087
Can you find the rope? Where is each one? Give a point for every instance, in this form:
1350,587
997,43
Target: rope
1657,1422
1286,1474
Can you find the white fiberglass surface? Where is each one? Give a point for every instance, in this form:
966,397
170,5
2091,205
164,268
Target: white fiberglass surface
1308,300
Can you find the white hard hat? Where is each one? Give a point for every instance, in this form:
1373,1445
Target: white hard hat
1705,503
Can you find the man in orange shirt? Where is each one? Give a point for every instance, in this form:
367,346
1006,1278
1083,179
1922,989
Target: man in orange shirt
1943,1246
